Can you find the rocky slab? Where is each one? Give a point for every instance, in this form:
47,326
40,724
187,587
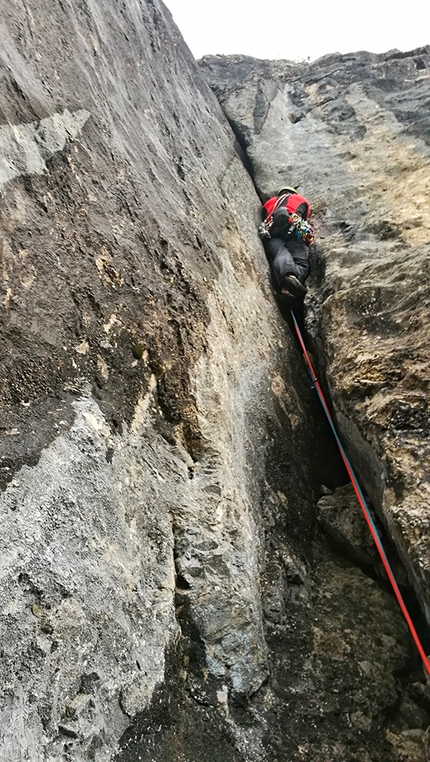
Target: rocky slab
353,132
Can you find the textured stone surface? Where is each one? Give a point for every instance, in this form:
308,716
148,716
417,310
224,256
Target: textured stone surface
166,592
88,579
113,268
340,516
353,131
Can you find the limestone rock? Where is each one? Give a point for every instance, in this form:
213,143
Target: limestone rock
166,593
355,139
123,468
340,515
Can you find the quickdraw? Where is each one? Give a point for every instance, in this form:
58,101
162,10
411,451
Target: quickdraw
302,229
265,227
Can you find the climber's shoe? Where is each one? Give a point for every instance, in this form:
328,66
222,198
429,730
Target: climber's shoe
291,285
288,301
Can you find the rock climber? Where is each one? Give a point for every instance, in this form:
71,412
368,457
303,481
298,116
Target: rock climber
287,237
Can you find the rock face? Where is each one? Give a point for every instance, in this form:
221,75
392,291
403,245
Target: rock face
354,132
166,592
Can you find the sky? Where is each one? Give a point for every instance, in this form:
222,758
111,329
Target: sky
273,30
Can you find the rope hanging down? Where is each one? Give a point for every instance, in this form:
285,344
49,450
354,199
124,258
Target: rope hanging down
362,502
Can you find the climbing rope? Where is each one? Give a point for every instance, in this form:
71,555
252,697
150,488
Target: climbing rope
362,501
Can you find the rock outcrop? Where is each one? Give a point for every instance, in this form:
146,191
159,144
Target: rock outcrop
354,132
166,591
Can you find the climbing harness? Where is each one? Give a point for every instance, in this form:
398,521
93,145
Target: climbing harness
361,500
298,228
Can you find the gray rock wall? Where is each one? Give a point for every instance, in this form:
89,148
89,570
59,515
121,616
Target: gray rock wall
353,132
140,348
166,593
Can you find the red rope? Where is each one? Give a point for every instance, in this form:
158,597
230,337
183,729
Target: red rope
362,502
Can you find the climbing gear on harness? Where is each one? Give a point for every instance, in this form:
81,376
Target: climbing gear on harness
361,500
264,228
303,230
297,227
